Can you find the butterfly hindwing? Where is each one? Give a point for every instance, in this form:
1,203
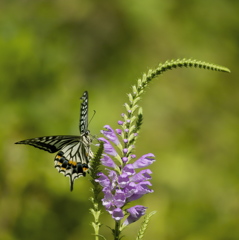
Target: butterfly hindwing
67,160
74,152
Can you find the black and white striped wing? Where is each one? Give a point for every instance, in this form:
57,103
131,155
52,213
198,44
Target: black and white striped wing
51,144
83,126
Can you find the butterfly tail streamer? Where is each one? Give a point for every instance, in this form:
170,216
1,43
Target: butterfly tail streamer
71,183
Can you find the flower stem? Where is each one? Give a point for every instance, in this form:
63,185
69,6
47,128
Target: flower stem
117,230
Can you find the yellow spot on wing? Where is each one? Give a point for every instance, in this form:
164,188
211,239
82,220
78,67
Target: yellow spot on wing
72,163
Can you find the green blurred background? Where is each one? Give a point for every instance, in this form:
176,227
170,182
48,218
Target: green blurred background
51,51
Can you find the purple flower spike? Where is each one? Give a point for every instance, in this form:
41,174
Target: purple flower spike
135,213
144,161
117,214
123,184
110,134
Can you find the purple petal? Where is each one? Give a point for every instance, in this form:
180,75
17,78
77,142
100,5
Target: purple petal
107,161
110,134
144,161
130,189
119,198
118,131
142,187
141,176
108,148
113,177
103,180
107,201
128,169
120,122
123,180
117,214
136,213
134,197
140,190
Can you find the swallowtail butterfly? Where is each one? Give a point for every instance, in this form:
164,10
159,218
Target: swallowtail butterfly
74,152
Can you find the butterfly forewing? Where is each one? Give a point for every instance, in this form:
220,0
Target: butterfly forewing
50,144
84,113
74,152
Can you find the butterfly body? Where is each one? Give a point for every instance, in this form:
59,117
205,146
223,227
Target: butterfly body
74,152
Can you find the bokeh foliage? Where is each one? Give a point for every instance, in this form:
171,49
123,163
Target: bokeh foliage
51,51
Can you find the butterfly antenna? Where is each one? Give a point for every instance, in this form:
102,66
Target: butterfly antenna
92,117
